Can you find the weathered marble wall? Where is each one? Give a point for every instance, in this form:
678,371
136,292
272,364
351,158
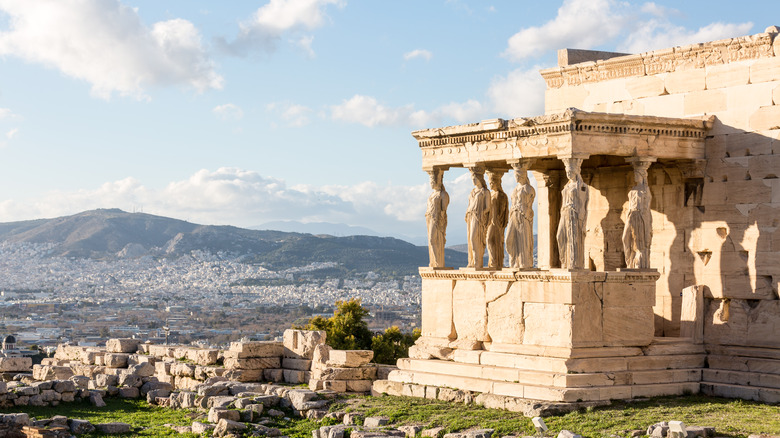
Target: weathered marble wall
715,226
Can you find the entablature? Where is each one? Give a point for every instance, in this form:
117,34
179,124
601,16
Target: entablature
496,142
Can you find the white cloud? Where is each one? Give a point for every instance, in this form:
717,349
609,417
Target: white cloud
586,23
519,93
228,111
418,53
368,111
105,43
6,113
660,33
12,133
277,18
293,114
304,43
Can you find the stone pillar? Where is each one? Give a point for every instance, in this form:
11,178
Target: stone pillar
436,218
638,230
499,215
477,217
574,210
519,235
548,210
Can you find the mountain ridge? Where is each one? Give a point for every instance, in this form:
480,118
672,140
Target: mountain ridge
113,233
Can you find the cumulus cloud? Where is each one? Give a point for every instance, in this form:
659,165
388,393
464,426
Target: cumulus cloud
244,198
418,53
368,111
292,114
586,23
519,93
6,113
12,133
659,32
105,43
278,18
228,111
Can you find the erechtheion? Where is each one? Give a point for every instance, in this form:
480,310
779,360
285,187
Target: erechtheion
658,215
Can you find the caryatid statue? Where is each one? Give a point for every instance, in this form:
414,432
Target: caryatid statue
436,219
520,233
477,218
571,228
638,232
499,215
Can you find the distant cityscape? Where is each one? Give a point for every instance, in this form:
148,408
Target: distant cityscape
200,297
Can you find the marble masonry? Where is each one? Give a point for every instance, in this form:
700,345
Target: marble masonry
657,206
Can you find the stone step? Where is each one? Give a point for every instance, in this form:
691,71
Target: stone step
544,378
766,395
736,350
593,364
741,378
673,348
739,363
546,393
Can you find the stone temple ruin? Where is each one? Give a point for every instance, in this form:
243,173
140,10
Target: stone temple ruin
658,205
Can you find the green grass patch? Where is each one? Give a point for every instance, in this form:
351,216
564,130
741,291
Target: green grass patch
731,418
146,419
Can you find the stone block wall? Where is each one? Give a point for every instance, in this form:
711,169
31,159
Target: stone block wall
715,223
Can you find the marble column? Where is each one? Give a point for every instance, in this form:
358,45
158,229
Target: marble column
477,218
520,229
436,218
499,215
548,211
574,210
638,230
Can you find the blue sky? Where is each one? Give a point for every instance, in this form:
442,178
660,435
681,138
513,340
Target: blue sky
245,112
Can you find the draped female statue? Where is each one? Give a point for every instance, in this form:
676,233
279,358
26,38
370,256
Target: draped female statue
638,231
499,204
571,228
520,233
477,217
436,219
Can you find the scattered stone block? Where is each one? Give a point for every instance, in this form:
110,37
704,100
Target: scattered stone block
123,345
113,428
79,427
242,350
376,421
349,358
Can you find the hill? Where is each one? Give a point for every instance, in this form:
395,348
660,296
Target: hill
113,233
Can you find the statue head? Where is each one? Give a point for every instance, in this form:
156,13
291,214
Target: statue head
572,168
478,177
495,180
436,176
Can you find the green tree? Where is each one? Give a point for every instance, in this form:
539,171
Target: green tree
346,329
393,344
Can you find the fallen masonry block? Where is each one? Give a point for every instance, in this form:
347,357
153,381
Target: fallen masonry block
349,358
122,345
256,349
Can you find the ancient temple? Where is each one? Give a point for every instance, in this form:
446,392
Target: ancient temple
657,206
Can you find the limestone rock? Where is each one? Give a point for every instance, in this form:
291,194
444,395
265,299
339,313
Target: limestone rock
122,345
79,427
300,344
349,358
113,428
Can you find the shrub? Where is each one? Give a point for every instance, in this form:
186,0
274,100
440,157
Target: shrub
393,344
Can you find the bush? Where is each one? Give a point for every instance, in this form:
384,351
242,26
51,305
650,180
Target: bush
392,345
346,329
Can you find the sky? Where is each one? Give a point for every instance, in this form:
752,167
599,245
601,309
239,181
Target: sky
246,112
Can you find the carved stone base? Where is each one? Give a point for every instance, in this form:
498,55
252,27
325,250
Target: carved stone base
665,367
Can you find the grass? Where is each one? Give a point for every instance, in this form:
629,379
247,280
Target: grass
146,419
731,418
